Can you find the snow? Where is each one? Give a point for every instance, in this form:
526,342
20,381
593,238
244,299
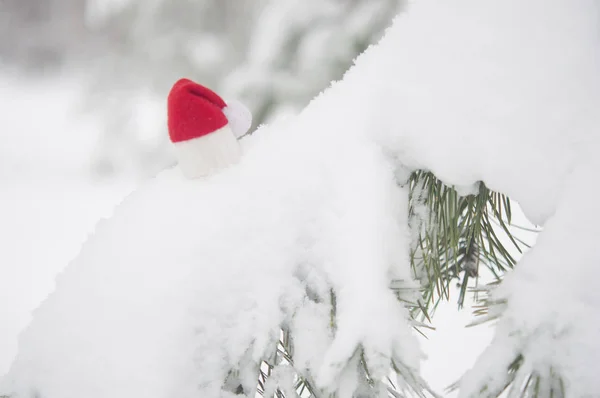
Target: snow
169,294
44,224
552,297
107,338
46,207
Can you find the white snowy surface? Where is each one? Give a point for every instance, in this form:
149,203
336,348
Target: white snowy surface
48,206
181,244
510,90
458,88
44,223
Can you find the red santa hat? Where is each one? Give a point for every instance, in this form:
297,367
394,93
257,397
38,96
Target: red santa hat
204,128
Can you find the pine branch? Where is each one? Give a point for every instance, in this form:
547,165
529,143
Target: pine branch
456,235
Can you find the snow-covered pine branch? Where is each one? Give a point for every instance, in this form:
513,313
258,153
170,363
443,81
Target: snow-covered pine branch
190,281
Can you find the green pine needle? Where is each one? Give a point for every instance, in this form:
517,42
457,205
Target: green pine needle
456,235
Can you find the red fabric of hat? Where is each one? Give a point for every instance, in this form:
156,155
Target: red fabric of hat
193,111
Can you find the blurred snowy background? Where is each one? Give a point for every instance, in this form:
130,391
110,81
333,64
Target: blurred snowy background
82,121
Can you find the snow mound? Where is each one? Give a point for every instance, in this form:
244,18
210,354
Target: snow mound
190,278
